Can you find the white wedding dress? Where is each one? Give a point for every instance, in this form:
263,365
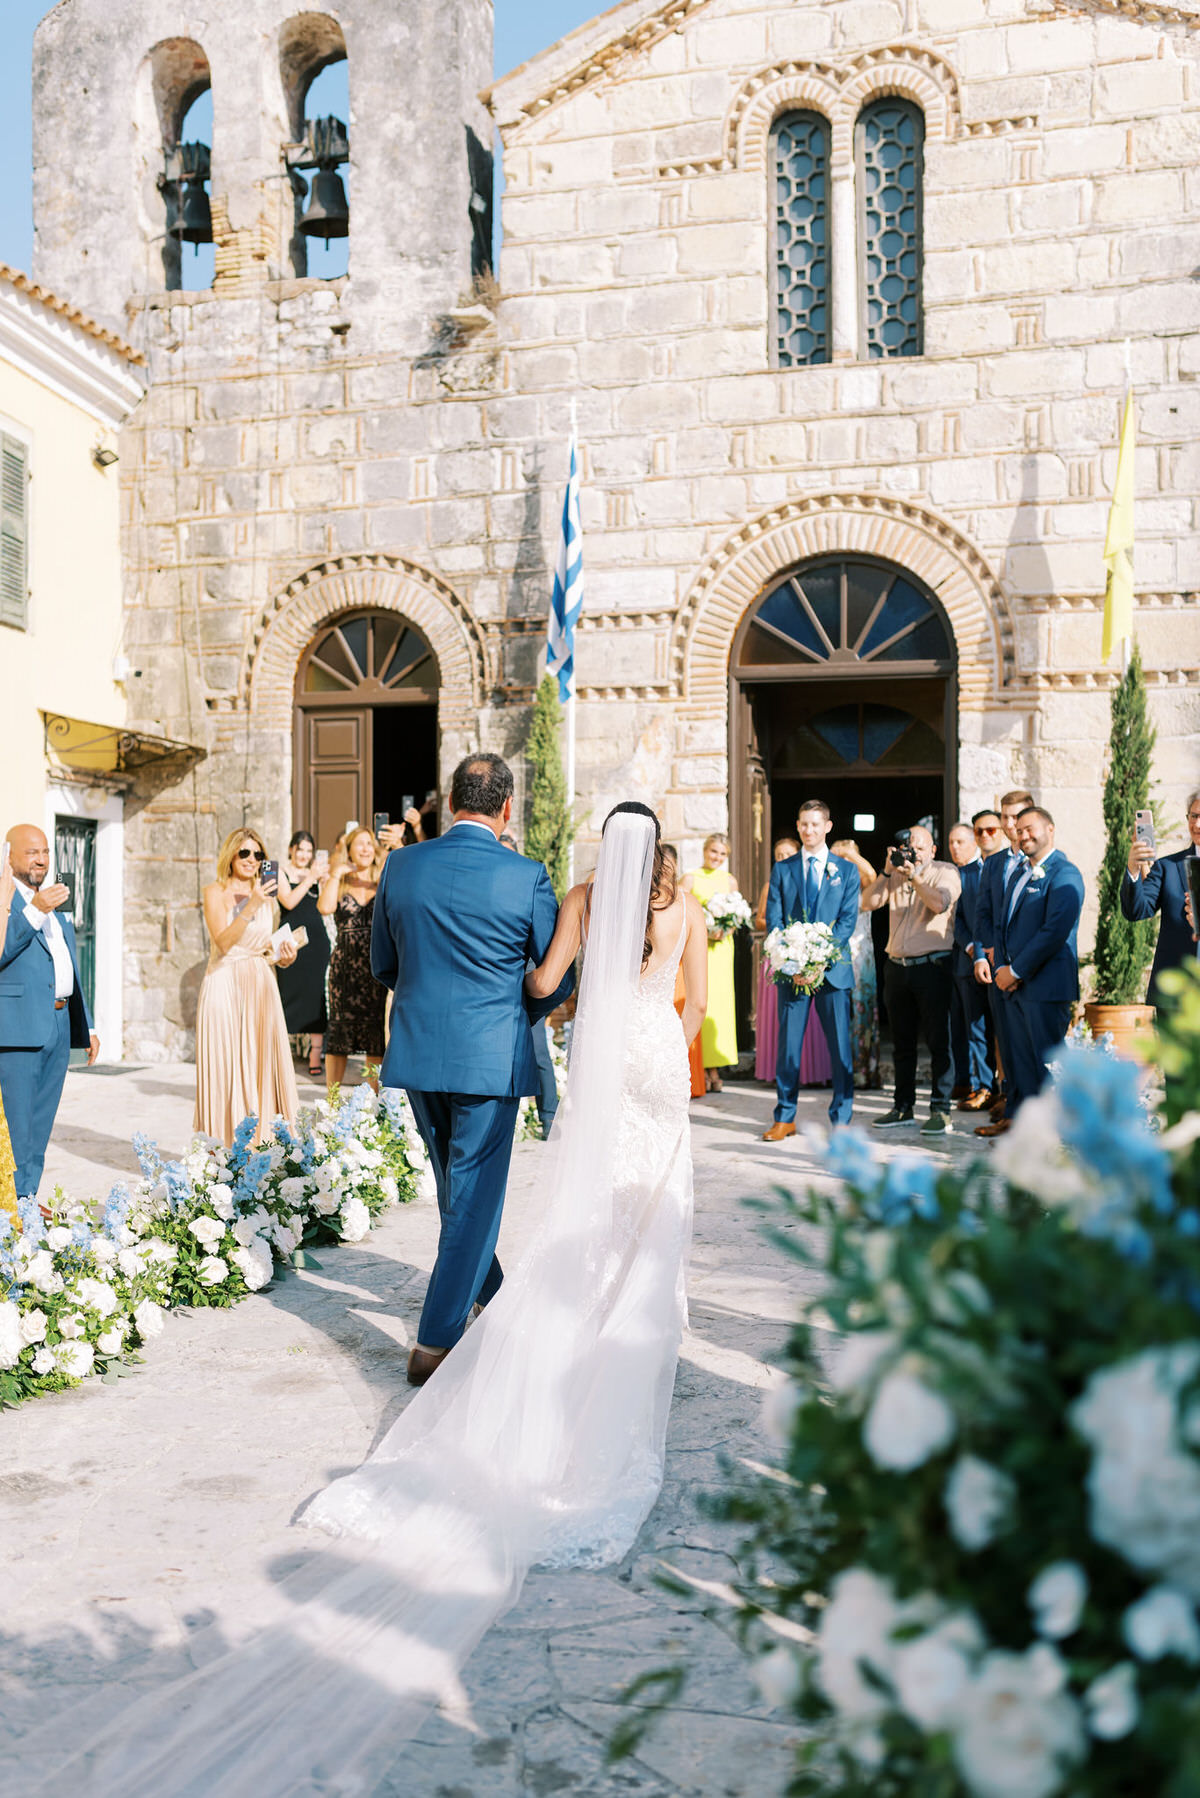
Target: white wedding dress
539,1440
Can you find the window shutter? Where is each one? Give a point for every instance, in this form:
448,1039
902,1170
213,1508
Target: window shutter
14,532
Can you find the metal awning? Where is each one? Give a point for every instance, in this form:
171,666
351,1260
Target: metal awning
108,755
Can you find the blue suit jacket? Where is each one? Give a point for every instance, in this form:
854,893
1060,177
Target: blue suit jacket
457,921
964,917
27,985
1039,940
837,906
1163,890
989,902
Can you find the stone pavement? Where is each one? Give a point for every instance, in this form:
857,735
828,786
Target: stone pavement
131,1516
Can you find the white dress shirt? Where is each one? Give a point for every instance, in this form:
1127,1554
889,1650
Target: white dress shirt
47,922
819,857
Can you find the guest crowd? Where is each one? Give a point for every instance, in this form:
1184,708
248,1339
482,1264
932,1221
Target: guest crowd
980,967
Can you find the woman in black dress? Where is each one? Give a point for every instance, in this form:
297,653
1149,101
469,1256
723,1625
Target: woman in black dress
357,1002
302,986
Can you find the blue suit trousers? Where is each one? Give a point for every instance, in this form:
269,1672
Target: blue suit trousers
970,1048
1036,1027
547,1092
470,1145
31,1083
833,1009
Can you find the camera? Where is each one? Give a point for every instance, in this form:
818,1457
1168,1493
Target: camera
903,853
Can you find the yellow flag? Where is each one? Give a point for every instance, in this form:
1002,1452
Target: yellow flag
1118,546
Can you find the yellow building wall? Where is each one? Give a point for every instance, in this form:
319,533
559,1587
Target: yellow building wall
63,661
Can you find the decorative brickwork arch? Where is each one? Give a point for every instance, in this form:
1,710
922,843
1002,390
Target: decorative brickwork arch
810,86
288,624
867,524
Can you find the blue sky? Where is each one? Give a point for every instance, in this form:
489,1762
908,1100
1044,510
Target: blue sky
523,27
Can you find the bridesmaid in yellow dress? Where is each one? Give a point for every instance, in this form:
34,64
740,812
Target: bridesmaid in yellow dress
243,1058
718,1034
8,1165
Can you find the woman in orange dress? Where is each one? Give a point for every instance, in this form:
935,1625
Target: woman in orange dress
243,1059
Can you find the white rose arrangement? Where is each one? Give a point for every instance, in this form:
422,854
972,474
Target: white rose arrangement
726,914
800,955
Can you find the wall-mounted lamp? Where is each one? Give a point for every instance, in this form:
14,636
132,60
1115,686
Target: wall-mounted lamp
104,457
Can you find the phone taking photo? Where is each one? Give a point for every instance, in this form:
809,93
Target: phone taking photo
382,820
1143,828
269,875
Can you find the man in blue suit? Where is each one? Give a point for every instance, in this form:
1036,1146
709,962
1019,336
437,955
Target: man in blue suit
457,921
998,872
43,1013
818,888
1037,960
1153,884
970,1033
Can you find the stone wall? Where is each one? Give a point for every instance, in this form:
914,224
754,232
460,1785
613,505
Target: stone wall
308,446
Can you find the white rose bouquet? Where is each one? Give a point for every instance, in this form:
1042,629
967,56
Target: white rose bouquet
800,955
975,1570
726,914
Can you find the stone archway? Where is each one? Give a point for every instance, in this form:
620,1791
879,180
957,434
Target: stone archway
289,622
893,530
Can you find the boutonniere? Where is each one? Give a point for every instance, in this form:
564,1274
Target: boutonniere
1038,874
832,877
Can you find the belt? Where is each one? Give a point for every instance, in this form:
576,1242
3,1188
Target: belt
61,1004
916,961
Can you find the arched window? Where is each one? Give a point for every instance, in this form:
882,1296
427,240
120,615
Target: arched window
316,86
890,139
799,165
846,619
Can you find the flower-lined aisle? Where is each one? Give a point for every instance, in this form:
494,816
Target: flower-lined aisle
975,1571
81,1291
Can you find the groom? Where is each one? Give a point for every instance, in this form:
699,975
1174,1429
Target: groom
457,920
820,889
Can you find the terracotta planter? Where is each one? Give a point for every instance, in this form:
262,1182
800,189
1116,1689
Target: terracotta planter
1130,1026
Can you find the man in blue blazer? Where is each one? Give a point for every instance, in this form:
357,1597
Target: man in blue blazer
998,872
43,1013
1037,960
818,888
970,1033
457,921
1152,884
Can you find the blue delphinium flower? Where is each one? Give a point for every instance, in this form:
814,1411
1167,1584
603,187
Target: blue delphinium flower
1104,1124
248,1185
909,1190
149,1159
243,1137
116,1209
851,1157
33,1224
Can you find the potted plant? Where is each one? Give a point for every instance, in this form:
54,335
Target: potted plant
1123,950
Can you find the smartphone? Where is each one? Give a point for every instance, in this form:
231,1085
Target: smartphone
382,820
67,881
1193,880
406,804
321,861
1143,828
351,825
269,873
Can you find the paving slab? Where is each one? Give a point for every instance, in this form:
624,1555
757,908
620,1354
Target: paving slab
140,1521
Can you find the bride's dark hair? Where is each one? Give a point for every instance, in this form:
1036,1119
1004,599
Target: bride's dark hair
663,876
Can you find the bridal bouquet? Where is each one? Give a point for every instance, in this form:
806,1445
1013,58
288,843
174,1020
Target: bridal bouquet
800,955
727,913
975,1570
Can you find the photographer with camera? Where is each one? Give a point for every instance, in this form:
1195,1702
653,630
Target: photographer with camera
921,894
1160,883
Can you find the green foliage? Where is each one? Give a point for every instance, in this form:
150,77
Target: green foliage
1124,950
551,828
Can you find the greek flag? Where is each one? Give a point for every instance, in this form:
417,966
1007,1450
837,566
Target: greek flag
566,601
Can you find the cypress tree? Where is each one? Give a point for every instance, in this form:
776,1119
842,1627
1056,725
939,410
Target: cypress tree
1123,950
551,827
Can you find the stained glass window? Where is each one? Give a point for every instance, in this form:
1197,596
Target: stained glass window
890,136
837,617
372,651
800,166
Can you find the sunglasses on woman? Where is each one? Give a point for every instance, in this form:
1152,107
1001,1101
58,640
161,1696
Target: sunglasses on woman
245,855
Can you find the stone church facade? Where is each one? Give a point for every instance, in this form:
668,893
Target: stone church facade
843,295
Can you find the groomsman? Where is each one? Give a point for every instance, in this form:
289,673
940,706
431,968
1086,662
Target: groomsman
1159,884
998,871
970,1047
818,888
43,1013
1037,959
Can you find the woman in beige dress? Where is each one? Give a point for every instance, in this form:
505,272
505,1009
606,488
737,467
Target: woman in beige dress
243,1059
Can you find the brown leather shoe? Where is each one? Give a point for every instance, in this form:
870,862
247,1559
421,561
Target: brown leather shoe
422,1362
997,1109
976,1101
779,1132
960,1092
996,1129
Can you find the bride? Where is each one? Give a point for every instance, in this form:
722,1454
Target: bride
538,1441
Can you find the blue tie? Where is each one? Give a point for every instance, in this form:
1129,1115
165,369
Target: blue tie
810,888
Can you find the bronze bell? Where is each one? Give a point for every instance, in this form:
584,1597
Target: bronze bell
193,224
328,211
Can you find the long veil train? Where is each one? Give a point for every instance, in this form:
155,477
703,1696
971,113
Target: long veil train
539,1440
